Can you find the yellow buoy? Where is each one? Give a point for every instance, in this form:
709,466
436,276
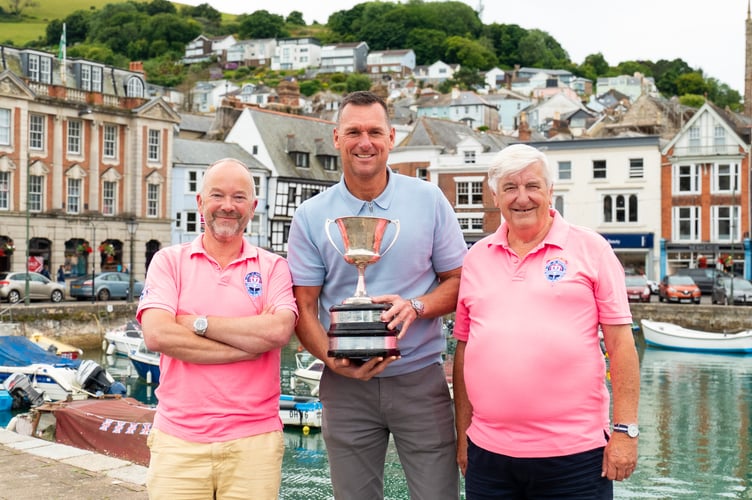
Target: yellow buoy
306,430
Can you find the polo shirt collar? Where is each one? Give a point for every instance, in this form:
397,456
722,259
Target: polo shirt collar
356,205
248,251
556,235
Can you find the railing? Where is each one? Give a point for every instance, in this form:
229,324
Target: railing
710,150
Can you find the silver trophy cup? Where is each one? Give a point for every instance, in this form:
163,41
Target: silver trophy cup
356,329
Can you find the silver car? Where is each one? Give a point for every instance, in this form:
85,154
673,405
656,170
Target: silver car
13,287
108,285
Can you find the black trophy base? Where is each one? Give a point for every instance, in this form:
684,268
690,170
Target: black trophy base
357,332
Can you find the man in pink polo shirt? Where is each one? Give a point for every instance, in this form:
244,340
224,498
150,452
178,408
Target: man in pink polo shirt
531,400
219,310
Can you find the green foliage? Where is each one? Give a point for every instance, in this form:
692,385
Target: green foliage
116,31
98,52
429,45
262,24
537,49
295,17
692,100
310,87
469,53
466,78
165,71
357,81
691,83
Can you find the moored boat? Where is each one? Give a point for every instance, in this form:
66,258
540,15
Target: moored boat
146,363
57,347
308,370
672,336
301,411
32,374
123,339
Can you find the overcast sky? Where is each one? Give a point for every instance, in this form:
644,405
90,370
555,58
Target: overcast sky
708,35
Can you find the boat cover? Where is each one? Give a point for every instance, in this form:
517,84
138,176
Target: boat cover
16,350
116,427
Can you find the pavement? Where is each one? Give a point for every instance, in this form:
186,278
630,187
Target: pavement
35,469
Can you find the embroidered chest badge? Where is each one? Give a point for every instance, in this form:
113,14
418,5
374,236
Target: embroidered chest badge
555,269
253,284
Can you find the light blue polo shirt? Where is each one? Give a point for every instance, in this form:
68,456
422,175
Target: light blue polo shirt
430,241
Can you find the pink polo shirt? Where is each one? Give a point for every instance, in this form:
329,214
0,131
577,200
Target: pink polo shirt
534,370
207,403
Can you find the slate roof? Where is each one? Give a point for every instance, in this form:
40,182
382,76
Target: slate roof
284,133
447,134
188,152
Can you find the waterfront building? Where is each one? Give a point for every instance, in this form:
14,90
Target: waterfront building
84,149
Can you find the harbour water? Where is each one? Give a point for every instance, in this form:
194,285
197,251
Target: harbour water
695,424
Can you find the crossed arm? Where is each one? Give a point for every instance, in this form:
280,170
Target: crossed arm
228,339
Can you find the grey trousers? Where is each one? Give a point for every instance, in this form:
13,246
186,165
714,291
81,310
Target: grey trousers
416,409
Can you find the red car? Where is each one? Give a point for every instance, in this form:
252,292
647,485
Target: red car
638,289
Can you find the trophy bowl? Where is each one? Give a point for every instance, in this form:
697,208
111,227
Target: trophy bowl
356,329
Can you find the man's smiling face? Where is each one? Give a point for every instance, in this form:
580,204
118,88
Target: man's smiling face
364,138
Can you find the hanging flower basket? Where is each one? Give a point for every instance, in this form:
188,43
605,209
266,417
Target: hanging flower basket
83,249
107,248
8,248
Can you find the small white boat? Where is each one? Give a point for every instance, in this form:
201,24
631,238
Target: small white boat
146,363
308,370
671,336
123,339
32,374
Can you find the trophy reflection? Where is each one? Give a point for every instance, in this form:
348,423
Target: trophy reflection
356,329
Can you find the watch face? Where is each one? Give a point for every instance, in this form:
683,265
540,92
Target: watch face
200,324
633,431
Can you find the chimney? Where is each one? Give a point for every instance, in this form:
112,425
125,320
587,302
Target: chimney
523,132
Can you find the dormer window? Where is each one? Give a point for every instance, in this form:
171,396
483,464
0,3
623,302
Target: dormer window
39,68
329,163
135,87
301,159
90,78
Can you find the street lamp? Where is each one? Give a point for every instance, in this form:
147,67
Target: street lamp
131,226
93,260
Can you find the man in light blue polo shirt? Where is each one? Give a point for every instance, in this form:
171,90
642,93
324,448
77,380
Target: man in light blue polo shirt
405,396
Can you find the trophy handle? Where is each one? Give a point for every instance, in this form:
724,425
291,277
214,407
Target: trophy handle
394,240
328,235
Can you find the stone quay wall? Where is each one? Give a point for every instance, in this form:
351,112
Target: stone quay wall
83,324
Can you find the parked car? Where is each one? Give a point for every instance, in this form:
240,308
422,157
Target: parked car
638,289
704,277
108,285
679,288
722,291
13,287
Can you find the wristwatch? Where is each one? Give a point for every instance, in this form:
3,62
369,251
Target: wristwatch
630,430
200,325
418,306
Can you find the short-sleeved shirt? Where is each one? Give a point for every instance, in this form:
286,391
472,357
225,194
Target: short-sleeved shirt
430,241
533,367
217,402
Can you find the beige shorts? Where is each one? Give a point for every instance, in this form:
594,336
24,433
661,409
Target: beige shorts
239,469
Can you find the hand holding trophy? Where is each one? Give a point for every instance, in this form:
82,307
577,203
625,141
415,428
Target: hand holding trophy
356,329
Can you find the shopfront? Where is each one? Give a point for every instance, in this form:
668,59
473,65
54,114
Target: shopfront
636,252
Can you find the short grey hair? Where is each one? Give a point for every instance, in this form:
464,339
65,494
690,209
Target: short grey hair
515,158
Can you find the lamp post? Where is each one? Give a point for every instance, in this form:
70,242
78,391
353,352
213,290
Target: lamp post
131,226
93,260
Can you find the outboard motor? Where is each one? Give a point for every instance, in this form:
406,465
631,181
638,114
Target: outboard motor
23,393
95,380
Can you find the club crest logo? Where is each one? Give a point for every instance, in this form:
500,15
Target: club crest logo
555,269
253,284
